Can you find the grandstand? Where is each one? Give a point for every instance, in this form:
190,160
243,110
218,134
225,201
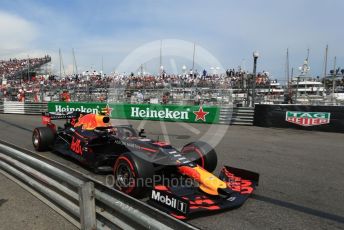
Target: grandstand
21,68
17,74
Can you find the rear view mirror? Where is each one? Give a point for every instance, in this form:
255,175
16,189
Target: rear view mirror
142,131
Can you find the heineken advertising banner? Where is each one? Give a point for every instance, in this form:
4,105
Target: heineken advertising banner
191,114
307,117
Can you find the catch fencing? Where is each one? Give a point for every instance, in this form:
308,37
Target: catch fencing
86,93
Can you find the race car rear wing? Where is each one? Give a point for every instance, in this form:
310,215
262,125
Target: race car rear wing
63,115
47,117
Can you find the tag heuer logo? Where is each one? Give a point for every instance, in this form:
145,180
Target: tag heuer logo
307,118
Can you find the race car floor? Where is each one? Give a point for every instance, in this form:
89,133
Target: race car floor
301,173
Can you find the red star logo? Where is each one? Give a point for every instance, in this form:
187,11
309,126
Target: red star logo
107,110
200,114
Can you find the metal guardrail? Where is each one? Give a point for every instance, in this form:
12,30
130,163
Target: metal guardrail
85,201
236,115
15,107
242,116
35,108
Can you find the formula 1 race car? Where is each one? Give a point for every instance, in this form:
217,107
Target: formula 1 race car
141,165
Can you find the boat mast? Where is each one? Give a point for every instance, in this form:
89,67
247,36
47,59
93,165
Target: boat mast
291,77
307,54
60,59
193,58
28,67
102,66
141,70
306,74
61,64
297,88
74,63
325,62
160,66
334,77
287,68
63,67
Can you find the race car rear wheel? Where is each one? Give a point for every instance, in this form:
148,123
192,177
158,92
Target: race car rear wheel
202,154
131,174
42,138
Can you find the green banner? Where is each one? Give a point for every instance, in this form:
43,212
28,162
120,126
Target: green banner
190,114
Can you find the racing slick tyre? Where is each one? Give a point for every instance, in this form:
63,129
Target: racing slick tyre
131,174
202,154
42,138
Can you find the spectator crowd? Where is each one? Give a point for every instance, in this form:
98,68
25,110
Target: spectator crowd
16,87
13,67
15,74
231,79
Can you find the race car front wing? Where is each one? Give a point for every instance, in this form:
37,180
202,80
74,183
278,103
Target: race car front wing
184,202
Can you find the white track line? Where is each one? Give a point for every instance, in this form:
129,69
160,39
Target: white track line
189,127
164,132
141,125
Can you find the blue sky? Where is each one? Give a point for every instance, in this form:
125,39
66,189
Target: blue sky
229,30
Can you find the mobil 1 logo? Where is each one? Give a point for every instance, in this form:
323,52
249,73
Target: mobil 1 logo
170,201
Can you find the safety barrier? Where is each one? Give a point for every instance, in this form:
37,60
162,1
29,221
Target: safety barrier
16,107
157,112
13,107
35,108
224,115
236,115
85,202
306,117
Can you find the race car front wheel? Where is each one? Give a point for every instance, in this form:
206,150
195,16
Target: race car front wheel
133,175
42,138
202,154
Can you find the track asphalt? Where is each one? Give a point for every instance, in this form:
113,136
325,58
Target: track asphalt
301,173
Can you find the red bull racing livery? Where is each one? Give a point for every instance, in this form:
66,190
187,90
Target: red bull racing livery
179,182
